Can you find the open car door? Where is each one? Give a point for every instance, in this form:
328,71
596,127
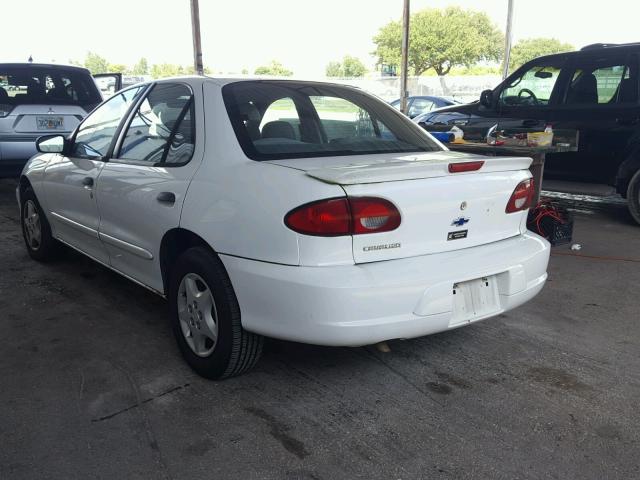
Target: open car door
108,83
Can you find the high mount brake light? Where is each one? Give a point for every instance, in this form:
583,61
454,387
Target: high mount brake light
522,197
460,167
344,216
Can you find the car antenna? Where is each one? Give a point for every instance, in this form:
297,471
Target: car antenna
30,59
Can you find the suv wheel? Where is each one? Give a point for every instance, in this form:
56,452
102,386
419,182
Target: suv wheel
206,317
36,230
633,196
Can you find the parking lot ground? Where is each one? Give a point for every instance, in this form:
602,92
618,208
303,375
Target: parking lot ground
92,384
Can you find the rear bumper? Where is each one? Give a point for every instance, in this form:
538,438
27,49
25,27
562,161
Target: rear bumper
15,149
355,305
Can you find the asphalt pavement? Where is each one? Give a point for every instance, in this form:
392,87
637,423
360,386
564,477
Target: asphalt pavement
93,386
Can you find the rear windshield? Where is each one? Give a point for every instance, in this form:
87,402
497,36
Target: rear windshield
286,119
34,85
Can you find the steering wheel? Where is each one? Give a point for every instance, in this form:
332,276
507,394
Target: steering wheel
532,95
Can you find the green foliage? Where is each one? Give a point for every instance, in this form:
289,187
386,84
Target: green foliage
350,67
141,68
118,68
353,67
531,48
96,64
274,68
334,69
441,40
162,70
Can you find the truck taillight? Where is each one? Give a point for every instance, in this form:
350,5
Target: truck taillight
344,216
522,197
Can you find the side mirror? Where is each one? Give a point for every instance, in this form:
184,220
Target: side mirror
51,144
486,98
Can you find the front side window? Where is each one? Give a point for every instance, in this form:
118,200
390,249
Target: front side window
96,132
602,82
161,131
286,119
531,88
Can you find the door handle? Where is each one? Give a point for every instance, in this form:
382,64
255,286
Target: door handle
87,182
166,197
529,123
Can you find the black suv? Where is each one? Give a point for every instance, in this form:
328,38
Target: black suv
593,91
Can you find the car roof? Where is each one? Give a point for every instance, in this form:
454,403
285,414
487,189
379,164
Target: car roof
56,66
595,48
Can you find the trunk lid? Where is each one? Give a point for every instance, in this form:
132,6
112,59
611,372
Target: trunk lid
441,211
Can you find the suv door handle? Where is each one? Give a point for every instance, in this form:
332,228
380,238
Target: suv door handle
627,121
166,197
87,182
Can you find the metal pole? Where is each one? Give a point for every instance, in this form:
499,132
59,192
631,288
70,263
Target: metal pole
405,57
197,46
507,41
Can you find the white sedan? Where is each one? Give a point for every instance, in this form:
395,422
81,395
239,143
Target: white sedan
297,210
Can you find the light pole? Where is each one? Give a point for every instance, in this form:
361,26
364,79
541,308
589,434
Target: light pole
197,46
507,40
405,57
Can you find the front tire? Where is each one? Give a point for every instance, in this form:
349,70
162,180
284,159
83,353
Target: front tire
36,230
633,197
205,317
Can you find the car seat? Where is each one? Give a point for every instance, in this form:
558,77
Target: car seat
278,129
584,90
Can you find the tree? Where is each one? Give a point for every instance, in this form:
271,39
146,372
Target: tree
350,67
531,48
441,40
274,68
96,64
118,68
353,67
141,68
162,70
334,69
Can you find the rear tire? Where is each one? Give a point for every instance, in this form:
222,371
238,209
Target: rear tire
205,317
633,197
36,230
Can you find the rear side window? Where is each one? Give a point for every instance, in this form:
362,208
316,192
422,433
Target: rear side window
41,85
162,129
602,82
279,119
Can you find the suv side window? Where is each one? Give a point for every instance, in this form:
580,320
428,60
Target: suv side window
602,81
161,130
532,88
96,132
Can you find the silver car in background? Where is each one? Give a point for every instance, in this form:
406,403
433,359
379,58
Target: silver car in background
40,99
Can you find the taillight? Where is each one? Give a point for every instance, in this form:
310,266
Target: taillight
522,197
344,216
459,167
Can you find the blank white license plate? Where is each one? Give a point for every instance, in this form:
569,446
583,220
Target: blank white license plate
474,299
50,123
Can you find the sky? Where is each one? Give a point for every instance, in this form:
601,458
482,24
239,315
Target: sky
304,35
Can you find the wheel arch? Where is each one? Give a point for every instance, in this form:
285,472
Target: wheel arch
173,244
627,170
24,184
